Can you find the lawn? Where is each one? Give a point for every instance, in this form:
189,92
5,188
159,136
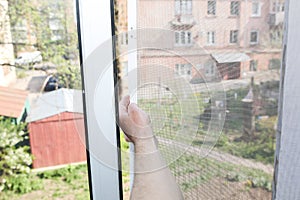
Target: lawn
66,183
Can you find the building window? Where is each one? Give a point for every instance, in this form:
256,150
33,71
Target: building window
278,7
234,8
254,37
253,65
274,64
209,68
234,36
276,36
183,38
256,9
211,37
184,69
211,7
183,7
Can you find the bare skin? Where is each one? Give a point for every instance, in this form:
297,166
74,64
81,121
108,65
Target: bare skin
153,180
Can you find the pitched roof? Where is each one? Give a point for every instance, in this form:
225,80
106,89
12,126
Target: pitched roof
12,102
55,102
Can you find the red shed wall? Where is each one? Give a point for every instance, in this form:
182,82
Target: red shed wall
55,140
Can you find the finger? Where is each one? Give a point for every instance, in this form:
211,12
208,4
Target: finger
123,105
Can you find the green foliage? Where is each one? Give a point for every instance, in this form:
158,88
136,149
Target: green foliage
69,76
22,183
255,180
195,171
124,143
64,182
15,159
260,147
39,16
67,174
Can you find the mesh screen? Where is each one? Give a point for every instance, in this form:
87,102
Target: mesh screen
208,76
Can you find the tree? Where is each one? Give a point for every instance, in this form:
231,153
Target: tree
48,26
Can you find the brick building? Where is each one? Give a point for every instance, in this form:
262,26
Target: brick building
222,39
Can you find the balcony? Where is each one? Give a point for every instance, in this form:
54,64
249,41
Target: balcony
186,21
276,19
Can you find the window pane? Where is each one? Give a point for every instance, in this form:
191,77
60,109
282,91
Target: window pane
234,7
211,7
176,37
254,37
182,37
189,38
255,8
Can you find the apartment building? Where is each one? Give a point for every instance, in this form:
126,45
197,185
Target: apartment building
222,39
7,73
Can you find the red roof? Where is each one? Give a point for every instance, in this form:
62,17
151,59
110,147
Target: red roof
12,102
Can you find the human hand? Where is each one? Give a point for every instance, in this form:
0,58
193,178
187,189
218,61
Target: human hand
136,125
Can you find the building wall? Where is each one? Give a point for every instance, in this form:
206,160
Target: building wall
57,140
7,73
161,14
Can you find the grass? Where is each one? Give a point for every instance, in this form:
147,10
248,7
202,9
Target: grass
64,183
192,171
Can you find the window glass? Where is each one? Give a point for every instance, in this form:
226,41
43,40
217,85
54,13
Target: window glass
234,36
183,7
254,37
211,7
211,37
234,7
256,9
39,58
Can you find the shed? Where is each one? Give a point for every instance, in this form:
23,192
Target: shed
14,104
56,129
229,64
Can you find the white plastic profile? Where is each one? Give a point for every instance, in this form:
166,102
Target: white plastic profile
97,57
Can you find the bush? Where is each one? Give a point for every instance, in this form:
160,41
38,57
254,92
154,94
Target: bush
15,158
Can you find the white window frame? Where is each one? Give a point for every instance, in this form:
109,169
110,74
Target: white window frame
98,92
233,34
183,7
184,70
183,38
235,8
258,4
257,37
211,7
211,38
277,7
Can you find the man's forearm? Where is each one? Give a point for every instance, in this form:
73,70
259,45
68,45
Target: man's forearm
153,179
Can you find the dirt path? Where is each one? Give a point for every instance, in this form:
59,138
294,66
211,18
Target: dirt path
218,156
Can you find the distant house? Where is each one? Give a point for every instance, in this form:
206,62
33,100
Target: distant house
56,129
14,104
